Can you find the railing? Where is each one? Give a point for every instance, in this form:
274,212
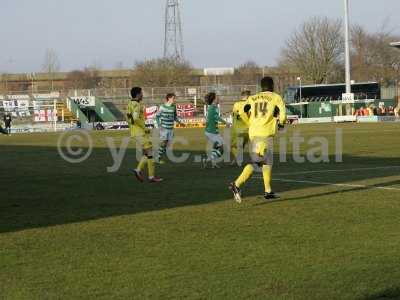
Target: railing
76,111
36,102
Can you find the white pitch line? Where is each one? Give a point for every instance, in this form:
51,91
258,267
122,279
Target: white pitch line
341,184
338,171
337,184
345,131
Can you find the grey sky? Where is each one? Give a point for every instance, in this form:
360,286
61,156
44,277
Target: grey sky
217,33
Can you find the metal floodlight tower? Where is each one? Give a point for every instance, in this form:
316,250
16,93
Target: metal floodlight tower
173,42
347,46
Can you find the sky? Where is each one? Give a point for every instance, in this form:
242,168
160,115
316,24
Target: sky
217,33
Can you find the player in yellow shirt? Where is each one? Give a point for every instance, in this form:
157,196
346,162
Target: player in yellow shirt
139,132
265,112
240,129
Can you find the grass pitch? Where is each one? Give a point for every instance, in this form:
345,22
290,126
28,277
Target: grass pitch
75,231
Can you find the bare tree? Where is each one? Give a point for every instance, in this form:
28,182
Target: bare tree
360,40
51,65
315,49
162,72
89,78
3,83
75,80
248,73
372,57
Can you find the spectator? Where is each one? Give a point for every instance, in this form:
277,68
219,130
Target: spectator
99,126
359,112
7,123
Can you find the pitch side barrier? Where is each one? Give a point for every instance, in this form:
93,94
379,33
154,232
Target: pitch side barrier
106,112
40,128
378,119
353,119
201,122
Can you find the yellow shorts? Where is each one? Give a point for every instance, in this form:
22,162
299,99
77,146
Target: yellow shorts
260,148
144,141
261,152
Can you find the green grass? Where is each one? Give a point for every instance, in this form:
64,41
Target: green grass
78,232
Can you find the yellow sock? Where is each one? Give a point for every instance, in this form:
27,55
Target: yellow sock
142,163
267,175
246,174
151,168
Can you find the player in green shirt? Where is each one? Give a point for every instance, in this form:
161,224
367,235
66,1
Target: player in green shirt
166,118
212,131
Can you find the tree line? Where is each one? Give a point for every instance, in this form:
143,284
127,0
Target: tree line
314,51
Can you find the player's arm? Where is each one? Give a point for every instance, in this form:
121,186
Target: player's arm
158,116
177,119
137,118
129,115
282,117
219,118
245,113
235,115
215,116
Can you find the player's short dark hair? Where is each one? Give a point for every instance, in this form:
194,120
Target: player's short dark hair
170,95
210,98
267,84
246,93
135,92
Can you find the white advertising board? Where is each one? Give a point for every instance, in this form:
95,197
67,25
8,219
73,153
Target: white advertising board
85,101
218,71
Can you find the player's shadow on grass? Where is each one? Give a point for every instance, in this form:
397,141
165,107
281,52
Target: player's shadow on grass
40,189
390,294
340,190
